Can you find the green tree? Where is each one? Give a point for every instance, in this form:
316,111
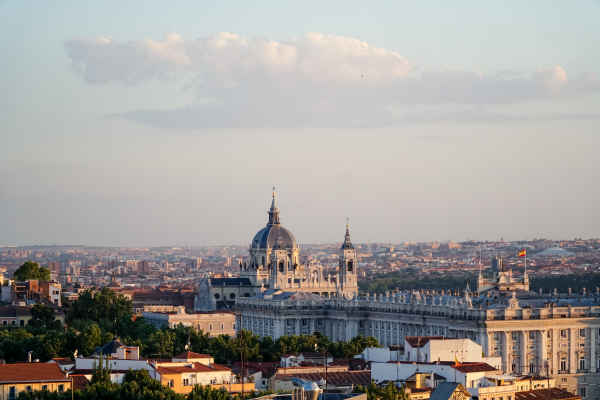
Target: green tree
89,339
112,312
388,392
139,385
43,318
200,392
161,343
101,372
31,270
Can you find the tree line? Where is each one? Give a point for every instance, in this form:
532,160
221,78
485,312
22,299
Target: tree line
97,317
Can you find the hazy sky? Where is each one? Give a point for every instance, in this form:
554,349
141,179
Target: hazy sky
167,123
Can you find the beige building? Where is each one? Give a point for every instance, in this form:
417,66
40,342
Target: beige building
211,323
29,377
186,370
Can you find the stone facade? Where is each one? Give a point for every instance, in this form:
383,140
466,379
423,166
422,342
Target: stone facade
211,323
557,334
274,263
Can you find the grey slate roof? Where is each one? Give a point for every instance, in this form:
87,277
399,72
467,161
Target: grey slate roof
444,391
275,237
109,348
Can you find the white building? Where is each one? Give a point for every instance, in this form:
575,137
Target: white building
274,263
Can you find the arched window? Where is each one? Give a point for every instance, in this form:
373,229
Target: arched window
232,296
217,296
350,265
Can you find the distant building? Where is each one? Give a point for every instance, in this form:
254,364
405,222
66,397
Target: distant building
116,349
211,323
14,316
52,292
501,279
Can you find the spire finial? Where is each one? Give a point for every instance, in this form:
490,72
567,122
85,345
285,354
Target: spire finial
347,242
274,211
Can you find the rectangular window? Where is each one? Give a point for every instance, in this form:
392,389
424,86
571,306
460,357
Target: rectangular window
564,333
563,364
171,383
12,393
61,388
582,392
186,382
28,389
582,364
44,387
532,335
582,332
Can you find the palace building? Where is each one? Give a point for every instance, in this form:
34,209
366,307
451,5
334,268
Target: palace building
531,333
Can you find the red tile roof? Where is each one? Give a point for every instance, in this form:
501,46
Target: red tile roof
268,368
190,354
31,372
462,367
474,367
195,367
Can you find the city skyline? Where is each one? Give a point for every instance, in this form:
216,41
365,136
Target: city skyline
144,126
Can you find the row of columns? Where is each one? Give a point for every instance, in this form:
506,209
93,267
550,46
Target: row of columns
523,359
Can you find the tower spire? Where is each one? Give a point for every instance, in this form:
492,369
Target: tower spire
274,210
347,242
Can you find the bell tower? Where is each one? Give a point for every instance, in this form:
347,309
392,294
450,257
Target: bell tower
347,285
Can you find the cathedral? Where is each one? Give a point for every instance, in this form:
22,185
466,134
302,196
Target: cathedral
501,280
273,264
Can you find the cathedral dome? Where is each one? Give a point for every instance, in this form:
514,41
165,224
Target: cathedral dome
274,236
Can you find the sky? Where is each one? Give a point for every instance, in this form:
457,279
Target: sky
146,123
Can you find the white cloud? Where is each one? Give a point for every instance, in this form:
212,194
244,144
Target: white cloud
318,79
226,57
